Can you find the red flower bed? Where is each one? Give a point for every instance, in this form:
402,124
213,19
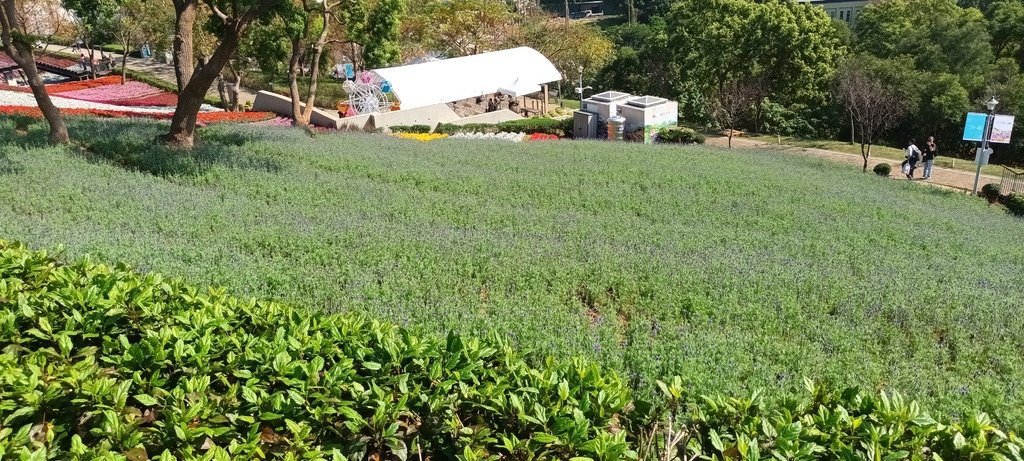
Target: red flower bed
158,100
83,85
541,137
18,89
235,117
204,117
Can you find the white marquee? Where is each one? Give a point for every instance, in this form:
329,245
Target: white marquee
516,72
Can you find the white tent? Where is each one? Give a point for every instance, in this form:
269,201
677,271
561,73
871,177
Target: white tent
515,72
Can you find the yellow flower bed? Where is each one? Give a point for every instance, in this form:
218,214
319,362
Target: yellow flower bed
421,136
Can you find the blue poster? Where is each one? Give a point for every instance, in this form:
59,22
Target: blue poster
350,73
974,129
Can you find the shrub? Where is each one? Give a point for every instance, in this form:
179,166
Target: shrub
882,169
1015,204
560,127
101,361
410,128
990,192
679,135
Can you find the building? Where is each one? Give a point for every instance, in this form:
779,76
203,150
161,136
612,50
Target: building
841,10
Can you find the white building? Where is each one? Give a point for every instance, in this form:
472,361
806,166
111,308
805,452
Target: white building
842,10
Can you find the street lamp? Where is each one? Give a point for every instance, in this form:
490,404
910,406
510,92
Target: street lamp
580,88
991,105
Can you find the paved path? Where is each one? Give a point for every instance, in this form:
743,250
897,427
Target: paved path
942,177
155,68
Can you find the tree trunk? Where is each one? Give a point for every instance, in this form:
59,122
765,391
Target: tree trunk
730,136
183,123
236,89
298,118
124,64
185,19
865,148
223,93
314,70
853,136
12,35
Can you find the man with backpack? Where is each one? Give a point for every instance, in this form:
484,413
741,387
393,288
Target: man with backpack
913,155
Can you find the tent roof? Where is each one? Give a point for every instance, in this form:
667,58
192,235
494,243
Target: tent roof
514,70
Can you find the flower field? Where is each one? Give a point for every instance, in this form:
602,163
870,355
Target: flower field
735,270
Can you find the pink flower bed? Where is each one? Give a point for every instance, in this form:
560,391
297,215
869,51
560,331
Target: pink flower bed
113,93
276,121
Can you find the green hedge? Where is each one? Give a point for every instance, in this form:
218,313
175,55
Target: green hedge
560,127
1015,204
409,128
100,362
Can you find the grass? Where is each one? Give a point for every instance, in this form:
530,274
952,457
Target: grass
735,269
877,152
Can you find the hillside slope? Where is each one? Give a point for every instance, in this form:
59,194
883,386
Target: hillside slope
734,269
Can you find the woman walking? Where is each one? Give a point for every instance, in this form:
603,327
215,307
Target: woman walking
913,155
930,152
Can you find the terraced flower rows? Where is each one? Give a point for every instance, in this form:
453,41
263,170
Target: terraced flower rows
107,97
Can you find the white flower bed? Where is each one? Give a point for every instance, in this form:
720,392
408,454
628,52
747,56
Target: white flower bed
512,137
14,98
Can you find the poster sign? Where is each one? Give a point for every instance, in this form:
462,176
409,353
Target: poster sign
974,129
1002,126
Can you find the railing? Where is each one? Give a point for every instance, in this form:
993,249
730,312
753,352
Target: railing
1012,181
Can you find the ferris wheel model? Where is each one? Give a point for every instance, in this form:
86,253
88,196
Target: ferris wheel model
368,94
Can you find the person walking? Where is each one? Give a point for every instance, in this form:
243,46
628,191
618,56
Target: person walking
913,156
930,152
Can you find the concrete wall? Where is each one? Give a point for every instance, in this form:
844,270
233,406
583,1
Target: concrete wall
429,115
270,102
357,122
497,116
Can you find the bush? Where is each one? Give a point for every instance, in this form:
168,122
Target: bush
560,127
679,135
120,362
990,192
103,362
882,169
1015,204
410,128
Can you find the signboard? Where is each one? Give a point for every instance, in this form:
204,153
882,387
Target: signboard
1002,126
974,129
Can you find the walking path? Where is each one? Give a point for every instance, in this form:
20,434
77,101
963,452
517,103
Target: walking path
155,68
942,177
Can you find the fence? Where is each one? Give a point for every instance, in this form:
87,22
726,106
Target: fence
1012,181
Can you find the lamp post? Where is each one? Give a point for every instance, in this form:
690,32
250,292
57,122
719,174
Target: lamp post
991,105
580,88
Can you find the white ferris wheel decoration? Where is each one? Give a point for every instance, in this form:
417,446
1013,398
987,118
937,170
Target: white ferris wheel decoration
368,94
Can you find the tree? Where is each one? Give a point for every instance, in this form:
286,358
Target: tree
18,45
44,18
233,18
731,101
380,48
568,45
874,105
311,22
1006,21
784,48
94,21
940,56
465,27
127,27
